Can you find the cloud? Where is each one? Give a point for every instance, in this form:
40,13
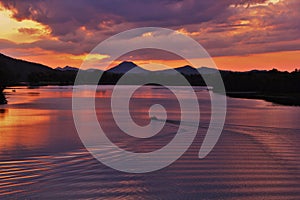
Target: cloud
257,29
6,44
67,16
228,27
30,31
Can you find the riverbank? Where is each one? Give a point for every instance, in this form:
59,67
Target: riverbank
289,99
2,96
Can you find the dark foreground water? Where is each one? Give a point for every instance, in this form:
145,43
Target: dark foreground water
42,157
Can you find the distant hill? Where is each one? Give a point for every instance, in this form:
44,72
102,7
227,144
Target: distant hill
186,70
126,66
15,70
67,68
207,70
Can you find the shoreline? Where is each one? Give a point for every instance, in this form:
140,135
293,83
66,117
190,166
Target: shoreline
2,96
286,99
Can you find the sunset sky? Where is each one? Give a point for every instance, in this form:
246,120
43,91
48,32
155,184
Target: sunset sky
239,34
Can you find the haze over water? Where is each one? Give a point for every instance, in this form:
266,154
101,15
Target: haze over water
42,157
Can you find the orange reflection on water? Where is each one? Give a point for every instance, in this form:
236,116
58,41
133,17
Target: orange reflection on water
22,127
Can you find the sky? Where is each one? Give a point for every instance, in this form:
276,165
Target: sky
239,35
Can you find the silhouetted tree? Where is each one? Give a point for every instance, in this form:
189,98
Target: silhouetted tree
4,81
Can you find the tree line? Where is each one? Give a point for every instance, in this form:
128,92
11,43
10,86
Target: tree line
272,81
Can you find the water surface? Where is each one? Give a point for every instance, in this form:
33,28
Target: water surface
42,157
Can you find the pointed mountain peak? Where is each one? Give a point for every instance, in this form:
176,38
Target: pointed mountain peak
67,68
126,66
127,63
186,67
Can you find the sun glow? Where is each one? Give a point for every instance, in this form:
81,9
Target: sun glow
21,31
273,1
185,32
148,34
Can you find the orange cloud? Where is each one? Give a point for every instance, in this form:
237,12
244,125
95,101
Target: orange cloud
21,31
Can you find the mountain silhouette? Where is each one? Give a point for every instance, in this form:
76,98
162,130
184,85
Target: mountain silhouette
187,70
15,70
207,70
67,68
125,67
184,70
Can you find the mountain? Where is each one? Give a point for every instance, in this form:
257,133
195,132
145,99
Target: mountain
93,70
207,70
188,70
15,70
67,68
185,70
126,66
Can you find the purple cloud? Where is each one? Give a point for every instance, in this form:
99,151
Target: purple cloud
80,25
